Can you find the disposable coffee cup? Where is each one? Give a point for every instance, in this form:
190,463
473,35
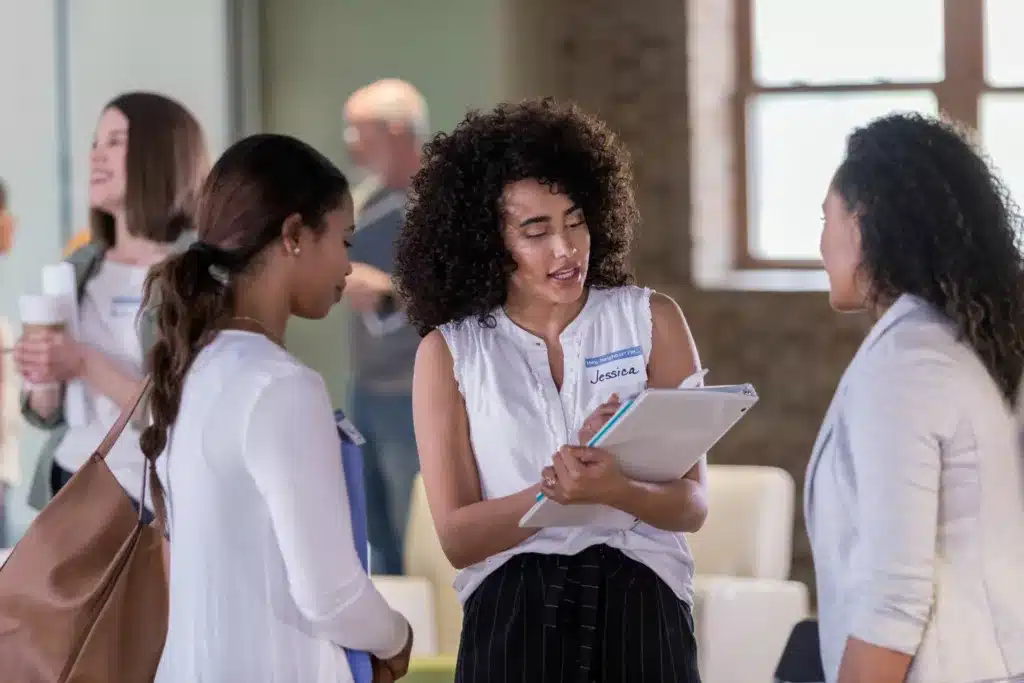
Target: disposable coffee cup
40,313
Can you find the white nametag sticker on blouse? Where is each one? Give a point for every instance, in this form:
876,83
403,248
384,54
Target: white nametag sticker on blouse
125,306
616,367
345,425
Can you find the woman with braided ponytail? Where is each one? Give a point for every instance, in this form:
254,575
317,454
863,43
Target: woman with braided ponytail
915,489
265,580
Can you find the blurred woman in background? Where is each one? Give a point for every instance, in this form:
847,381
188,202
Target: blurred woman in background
915,489
148,161
266,584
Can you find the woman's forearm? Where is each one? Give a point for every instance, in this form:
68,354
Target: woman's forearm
473,533
676,506
107,378
866,663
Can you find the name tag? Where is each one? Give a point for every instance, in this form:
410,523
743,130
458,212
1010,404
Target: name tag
125,306
625,364
350,431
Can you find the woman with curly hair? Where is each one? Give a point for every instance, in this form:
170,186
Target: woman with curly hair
513,266
915,489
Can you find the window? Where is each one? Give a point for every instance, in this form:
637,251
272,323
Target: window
806,72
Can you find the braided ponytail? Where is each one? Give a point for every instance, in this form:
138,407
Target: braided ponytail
187,300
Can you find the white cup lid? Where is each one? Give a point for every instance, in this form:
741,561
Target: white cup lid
40,309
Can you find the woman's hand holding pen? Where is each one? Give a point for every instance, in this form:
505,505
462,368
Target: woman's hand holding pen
597,419
580,474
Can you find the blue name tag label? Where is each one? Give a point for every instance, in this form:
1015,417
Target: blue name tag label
124,306
621,354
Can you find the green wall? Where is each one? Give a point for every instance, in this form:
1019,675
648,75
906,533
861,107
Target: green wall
315,53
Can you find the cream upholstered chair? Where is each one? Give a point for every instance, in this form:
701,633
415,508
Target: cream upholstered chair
424,594
424,559
413,597
744,604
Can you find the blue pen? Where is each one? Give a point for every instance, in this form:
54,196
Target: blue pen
692,382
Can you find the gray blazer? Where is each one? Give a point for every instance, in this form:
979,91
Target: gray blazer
914,502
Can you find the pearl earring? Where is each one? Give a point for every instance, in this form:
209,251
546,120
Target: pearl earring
295,251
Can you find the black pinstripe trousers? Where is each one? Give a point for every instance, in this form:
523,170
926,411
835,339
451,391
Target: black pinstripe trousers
594,617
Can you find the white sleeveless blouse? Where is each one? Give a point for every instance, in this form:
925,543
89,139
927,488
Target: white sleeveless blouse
518,419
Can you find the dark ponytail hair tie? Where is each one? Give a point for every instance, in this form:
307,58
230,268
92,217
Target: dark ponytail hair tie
213,259
210,254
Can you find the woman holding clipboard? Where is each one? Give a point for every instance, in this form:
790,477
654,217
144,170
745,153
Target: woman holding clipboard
512,264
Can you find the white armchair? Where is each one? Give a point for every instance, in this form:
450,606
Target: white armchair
424,595
744,604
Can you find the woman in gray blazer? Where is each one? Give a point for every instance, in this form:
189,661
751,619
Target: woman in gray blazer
915,490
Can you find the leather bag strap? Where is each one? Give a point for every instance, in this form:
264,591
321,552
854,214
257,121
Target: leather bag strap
155,488
126,415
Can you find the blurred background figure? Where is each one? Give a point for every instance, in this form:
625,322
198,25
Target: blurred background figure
386,126
9,419
10,427
77,241
374,117
147,163
7,223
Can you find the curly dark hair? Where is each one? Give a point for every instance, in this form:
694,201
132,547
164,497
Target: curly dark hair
451,260
936,222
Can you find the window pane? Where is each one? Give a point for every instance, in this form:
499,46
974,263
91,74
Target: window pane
867,41
999,120
1004,53
794,144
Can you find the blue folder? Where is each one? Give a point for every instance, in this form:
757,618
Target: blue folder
352,462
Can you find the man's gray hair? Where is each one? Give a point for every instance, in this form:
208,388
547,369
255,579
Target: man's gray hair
395,101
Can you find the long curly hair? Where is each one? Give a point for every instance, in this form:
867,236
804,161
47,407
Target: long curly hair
936,222
451,261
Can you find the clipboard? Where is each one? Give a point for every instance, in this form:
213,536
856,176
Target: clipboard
360,662
657,437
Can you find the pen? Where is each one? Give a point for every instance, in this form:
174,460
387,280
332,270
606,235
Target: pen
692,382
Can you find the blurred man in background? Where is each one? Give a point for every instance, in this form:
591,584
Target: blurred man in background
386,126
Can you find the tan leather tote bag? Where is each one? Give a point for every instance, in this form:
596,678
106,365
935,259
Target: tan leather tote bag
83,596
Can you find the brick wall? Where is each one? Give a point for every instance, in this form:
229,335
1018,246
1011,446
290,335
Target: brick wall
626,62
